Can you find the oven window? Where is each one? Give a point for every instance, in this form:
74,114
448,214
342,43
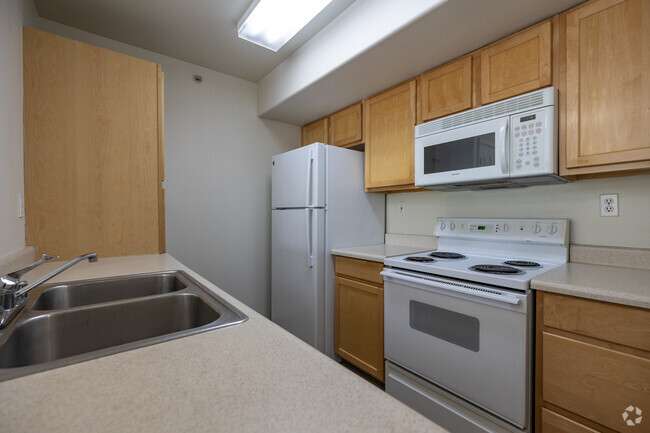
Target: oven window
469,152
453,327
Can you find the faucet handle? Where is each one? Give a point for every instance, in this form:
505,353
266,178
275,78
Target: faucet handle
16,275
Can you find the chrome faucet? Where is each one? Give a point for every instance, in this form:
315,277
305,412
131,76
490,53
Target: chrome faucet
13,291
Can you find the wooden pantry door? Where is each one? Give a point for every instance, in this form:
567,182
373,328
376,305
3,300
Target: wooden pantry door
93,149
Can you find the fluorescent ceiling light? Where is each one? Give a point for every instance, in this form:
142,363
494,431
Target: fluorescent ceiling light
271,23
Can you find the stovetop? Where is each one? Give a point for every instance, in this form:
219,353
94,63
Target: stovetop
530,248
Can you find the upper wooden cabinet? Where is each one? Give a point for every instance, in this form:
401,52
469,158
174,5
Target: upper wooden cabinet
605,92
93,142
517,64
313,132
445,90
343,128
346,126
389,125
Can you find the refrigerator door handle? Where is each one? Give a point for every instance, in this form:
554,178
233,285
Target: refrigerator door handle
310,249
310,165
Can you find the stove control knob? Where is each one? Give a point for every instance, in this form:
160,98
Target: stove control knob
506,228
452,226
552,229
443,226
537,229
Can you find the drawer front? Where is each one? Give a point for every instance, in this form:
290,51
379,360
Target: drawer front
628,326
596,383
555,423
360,269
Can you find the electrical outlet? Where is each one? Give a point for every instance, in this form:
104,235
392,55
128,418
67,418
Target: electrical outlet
402,207
609,205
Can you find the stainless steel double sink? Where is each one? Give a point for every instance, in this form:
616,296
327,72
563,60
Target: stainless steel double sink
66,323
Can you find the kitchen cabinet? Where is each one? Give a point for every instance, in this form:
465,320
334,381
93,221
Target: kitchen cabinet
359,314
346,126
605,89
389,120
317,131
517,64
593,363
445,90
93,143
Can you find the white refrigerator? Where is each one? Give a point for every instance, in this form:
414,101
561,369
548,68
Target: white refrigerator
318,203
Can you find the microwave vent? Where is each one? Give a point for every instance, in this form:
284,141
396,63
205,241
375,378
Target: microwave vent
518,104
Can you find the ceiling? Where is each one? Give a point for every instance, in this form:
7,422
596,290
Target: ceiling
202,32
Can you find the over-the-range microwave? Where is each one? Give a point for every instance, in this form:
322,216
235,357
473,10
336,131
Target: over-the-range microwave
511,143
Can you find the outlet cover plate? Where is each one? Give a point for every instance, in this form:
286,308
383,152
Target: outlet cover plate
609,205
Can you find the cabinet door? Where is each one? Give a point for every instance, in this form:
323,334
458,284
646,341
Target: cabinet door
594,382
389,125
93,165
607,86
359,325
445,90
346,126
518,64
315,132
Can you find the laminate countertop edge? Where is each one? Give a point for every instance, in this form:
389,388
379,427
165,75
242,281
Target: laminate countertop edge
378,252
618,285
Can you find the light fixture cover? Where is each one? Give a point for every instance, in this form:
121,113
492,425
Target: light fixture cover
271,23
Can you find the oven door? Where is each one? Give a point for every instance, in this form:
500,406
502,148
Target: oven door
472,153
475,341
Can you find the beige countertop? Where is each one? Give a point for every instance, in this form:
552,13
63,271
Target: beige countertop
376,253
252,377
626,286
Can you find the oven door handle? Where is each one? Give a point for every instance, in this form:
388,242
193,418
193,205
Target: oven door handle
459,288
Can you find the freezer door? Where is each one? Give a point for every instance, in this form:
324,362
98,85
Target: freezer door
298,178
297,279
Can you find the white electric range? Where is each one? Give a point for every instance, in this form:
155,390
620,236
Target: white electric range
458,321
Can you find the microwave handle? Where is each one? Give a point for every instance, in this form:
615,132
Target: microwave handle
503,154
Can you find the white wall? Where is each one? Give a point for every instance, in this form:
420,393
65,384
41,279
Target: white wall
218,172
13,14
578,201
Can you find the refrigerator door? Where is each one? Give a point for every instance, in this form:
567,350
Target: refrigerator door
297,280
298,178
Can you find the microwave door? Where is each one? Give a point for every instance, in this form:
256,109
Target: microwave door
473,153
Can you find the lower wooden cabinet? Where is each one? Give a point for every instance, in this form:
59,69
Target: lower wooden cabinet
359,314
593,366
556,423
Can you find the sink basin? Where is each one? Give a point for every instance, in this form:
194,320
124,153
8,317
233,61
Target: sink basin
79,293
72,322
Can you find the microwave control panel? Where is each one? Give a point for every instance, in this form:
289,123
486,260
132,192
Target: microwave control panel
533,144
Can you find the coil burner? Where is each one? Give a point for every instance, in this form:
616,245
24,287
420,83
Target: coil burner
496,269
419,259
446,255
